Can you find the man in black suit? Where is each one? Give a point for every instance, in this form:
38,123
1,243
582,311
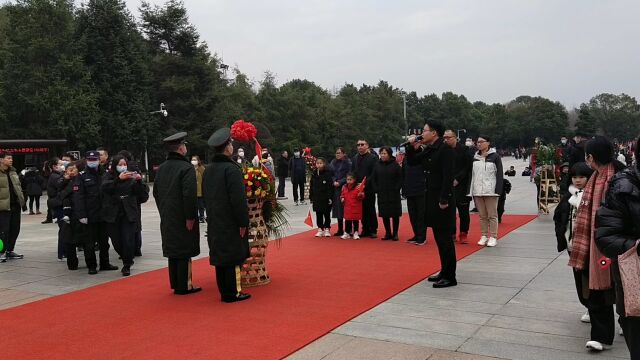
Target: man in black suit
362,166
438,160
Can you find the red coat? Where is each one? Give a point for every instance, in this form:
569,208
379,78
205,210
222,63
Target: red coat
352,202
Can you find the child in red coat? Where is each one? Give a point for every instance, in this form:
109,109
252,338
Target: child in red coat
351,197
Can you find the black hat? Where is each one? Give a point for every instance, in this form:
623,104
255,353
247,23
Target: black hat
564,164
92,155
220,137
178,138
581,169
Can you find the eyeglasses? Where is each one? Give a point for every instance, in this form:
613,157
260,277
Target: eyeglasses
449,137
481,141
361,144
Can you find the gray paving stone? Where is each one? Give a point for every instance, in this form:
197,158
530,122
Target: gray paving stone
369,349
524,352
449,304
575,329
431,313
480,293
418,323
322,347
545,299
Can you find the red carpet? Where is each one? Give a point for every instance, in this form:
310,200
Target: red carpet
317,285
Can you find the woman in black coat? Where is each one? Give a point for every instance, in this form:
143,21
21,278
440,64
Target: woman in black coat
34,184
122,192
321,195
387,182
617,229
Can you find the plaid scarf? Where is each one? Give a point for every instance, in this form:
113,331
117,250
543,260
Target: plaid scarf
584,251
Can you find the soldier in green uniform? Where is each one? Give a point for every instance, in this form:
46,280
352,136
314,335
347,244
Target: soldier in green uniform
228,217
175,192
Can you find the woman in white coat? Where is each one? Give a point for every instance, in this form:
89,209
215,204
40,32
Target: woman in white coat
485,188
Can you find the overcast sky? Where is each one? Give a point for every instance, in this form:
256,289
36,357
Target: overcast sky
488,50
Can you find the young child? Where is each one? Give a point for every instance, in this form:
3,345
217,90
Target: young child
352,197
320,194
565,214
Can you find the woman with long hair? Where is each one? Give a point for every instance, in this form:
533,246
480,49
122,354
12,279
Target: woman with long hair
387,182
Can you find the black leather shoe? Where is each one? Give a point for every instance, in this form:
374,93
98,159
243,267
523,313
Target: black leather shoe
108,267
434,278
126,270
93,271
387,237
239,297
394,238
187,292
339,233
47,222
443,283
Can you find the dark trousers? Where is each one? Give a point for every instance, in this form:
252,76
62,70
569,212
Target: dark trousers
123,235
323,219
369,218
391,225
463,213
351,226
298,186
501,201
201,208
49,214
180,274
281,181
416,208
138,242
447,252
67,238
32,199
65,234
631,328
340,222
600,306
10,228
95,233
228,279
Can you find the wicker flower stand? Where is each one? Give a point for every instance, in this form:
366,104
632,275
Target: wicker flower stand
254,270
307,187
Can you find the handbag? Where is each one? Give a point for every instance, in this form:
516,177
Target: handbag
629,264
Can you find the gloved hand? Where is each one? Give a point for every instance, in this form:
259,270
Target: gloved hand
84,221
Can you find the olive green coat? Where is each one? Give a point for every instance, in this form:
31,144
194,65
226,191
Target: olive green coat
5,192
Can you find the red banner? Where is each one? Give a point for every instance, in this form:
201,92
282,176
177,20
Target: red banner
28,150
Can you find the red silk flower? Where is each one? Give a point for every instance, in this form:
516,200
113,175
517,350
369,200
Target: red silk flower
243,131
306,151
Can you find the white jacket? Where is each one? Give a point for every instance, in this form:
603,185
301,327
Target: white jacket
484,176
574,202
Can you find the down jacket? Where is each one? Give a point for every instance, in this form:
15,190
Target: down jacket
618,223
486,175
352,198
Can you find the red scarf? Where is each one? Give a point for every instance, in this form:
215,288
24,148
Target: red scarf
584,251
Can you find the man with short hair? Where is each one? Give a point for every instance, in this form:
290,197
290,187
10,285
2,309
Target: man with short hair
461,178
11,202
104,159
362,166
176,194
298,171
577,151
438,161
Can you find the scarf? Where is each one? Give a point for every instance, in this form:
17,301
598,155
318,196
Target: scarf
584,251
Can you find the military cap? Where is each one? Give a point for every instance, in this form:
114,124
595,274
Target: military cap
177,138
92,155
220,137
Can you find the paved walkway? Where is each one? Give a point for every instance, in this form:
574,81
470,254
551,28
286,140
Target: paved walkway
514,301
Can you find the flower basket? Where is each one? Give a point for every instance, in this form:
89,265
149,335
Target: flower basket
254,270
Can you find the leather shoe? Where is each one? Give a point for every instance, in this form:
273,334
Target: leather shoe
126,270
187,292
108,267
93,271
434,278
387,237
240,297
443,283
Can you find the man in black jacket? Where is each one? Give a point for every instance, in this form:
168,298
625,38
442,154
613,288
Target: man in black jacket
362,166
298,172
438,161
413,188
175,192
461,178
282,170
576,153
87,203
226,201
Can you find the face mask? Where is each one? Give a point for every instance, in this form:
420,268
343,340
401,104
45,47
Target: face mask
296,154
65,163
194,162
469,143
564,141
93,164
121,168
241,153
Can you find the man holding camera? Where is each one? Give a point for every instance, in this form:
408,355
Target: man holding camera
438,161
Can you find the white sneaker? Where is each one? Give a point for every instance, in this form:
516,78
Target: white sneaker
492,242
296,203
303,202
596,346
356,236
345,236
327,233
320,233
585,318
483,241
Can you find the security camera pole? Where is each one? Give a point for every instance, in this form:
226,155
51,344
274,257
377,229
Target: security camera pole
163,112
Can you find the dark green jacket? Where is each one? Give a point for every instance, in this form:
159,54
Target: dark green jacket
227,212
175,192
5,192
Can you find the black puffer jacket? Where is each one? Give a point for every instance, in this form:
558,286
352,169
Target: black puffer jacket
618,223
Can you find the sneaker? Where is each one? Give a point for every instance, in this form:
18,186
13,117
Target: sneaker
320,233
14,255
483,241
282,198
327,233
296,203
356,236
303,202
585,318
419,243
3,257
492,242
596,346
46,221
345,236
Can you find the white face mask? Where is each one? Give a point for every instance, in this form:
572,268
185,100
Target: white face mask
296,154
121,168
194,162
563,141
469,143
241,153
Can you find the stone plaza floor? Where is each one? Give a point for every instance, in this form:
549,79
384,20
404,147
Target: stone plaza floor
514,301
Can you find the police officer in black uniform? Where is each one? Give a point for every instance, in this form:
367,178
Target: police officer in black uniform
175,192
228,217
87,209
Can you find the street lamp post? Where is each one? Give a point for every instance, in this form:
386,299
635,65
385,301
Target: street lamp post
406,123
163,112
461,130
